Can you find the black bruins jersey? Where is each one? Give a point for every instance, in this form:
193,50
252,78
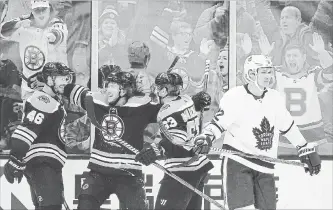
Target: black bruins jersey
127,122
40,137
181,120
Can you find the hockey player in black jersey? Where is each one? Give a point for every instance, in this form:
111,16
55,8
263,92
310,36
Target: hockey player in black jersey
113,169
38,146
180,117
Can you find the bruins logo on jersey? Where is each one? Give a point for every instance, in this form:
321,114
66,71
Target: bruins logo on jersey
264,135
114,125
34,58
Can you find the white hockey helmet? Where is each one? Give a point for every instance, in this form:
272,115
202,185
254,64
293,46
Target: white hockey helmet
253,63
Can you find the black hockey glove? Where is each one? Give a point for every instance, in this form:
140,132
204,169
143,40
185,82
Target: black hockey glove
149,155
202,144
310,157
13,169
202,101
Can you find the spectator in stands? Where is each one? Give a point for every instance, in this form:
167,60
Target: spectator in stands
42,38
292,31
111,39
299,82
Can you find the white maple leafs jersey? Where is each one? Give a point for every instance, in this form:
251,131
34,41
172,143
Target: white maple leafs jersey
301,99
181,120
252,124
35,49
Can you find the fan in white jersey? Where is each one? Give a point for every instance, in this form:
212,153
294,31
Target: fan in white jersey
299,83
252,117
42,38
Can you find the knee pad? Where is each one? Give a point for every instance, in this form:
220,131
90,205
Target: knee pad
247,207
88,202
53,207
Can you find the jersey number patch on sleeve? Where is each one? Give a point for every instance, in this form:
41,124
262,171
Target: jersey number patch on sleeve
35,117
295,101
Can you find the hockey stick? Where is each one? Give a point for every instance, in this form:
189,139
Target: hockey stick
206,75
4,11
174,62
259,157
89,105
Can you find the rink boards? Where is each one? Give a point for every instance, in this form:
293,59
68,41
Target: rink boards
295,189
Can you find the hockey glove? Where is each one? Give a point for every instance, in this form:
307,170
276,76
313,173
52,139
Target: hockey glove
310,157
149,155
202,101
202,144
14,169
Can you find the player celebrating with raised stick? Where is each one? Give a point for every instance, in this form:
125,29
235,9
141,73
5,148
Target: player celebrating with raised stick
253,117
113,169
38,145
180,118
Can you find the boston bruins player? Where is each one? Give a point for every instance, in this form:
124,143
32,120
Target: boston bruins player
253,117
113,169
38,148
180,117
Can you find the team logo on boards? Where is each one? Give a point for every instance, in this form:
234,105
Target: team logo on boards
264,135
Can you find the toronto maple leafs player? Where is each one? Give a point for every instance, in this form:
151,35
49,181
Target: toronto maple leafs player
180,118
252,117
38,144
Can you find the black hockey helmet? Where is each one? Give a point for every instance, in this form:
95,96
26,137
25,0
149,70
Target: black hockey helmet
171,81
201,100
138,52
57,69
177,79
124,79
104,72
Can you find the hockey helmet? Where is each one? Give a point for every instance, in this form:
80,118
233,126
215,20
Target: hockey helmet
125,79
172,81
253,63
138,52
104,72
178,80
57,69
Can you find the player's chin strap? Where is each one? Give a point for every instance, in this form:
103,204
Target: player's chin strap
89,104
230,152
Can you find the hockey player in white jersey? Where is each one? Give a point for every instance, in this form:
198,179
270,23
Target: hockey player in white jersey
180,117
42,38
252,117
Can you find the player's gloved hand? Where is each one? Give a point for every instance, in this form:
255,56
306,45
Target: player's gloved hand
14,168
202,144
202,101
11,127
148,155
310,157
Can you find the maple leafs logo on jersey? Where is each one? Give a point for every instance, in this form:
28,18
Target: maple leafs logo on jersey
264,135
